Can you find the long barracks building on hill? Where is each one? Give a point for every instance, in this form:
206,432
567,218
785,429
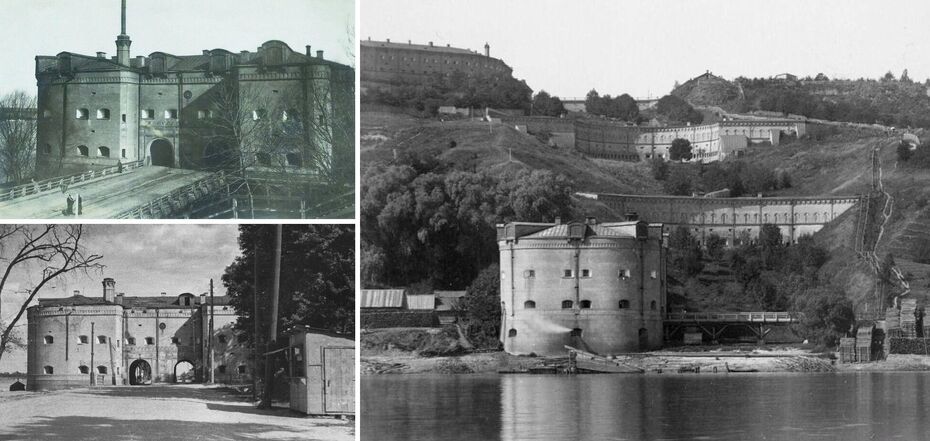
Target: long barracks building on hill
387,62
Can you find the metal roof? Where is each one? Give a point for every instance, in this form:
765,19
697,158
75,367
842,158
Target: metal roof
382,298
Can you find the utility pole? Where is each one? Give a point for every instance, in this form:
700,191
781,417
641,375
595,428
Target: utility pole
210,341
255,323
93,377
273,321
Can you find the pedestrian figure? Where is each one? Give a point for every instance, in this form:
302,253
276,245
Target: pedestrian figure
119,166
70,210
80,206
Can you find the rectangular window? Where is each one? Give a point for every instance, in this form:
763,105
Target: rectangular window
130,340
171,114
175,340
585,273
529,274
124,117
654,274
624,274
568,273
148,114
123,153
149,340
82,339
102,339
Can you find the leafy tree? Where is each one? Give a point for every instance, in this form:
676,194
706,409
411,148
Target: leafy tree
685,251
317,287
770,245
827,314
677,109
888,76
546,105
715,246
680,150
481,308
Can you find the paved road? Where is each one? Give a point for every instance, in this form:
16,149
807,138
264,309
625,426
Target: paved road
160,412
103,198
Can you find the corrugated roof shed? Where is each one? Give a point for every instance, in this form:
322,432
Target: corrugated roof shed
421,301
382,298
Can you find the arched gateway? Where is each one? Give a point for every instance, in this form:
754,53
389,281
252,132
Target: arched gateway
162,153
140,372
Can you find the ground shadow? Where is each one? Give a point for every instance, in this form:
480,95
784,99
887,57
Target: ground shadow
99,428
277,411
166,391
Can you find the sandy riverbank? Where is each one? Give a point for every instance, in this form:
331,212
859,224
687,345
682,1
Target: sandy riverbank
785,359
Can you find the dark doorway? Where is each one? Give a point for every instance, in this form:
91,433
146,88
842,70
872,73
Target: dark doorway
162,153
140,372
219,156
643,339
184,372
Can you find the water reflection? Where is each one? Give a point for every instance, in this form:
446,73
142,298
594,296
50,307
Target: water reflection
852,406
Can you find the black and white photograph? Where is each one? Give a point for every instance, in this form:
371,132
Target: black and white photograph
725,205
208,109
183,331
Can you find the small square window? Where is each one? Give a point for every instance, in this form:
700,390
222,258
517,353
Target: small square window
171,114
585,273
624,274
148,114
529,274
241,369
175,340
102,339
654,274
131,341
82,339
568,273
149,340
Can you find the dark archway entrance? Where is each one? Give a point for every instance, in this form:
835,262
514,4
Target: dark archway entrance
140,372
643,339
162,153
184,372
219,156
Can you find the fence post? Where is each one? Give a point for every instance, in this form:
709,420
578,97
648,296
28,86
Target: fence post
235,208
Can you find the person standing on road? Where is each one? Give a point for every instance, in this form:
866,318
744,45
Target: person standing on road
70,210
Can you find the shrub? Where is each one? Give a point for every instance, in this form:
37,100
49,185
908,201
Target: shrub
399,319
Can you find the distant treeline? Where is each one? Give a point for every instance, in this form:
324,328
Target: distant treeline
457,89
887,101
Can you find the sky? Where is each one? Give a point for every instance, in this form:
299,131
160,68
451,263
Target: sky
180,27
644,47
144,260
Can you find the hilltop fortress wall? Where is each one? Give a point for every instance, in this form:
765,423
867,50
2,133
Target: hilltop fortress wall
734,219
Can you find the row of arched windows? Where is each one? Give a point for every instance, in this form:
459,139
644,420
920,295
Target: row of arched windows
102,151
83,113
81,339
585,304
775,217
49,370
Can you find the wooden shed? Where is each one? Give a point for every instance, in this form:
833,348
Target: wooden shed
322,372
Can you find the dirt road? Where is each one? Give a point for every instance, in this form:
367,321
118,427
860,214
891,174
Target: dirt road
160,412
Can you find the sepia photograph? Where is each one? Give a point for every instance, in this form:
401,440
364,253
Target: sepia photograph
210,109
723,203
181,331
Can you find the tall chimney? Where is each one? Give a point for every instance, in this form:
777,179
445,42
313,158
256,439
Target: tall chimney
309,53
487,50
319,54
109,290
122,40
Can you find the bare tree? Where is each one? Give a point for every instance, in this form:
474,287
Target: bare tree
55,250
17,136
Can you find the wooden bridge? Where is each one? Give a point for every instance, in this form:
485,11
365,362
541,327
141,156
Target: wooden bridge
714,325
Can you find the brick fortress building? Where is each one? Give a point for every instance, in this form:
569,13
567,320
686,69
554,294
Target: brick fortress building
173,110
117,339
387,62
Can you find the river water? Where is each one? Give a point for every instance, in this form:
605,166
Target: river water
843,406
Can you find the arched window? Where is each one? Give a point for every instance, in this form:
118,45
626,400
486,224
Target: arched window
82,150
512,333
171,114
82,339
102,339
84,369
652,305
103,113
567,304
529,304
81,113
103,152
101,369
624,304
294,159
48,339
585,304
48,370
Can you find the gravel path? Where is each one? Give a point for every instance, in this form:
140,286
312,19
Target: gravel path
160,412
